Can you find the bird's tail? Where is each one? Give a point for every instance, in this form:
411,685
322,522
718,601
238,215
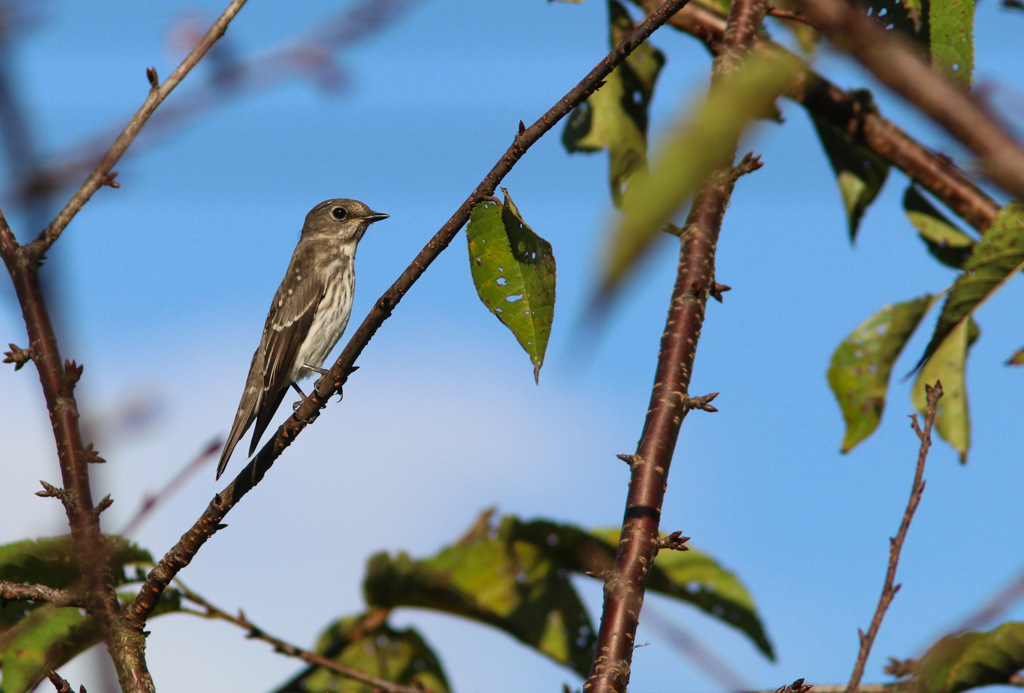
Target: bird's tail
243,419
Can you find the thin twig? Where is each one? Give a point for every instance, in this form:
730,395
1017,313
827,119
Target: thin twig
151,500
889,589
901,68
101,175
210,521
290,650
60,683
695,280
14,591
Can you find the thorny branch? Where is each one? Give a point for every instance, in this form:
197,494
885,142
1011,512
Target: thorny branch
125,643
889,589
210,521
670,402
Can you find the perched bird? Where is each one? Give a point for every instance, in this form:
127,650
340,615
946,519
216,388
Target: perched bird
308,315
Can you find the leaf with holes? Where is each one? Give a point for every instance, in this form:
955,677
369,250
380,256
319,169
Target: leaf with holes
948,365
951,24
948,244
703,142
497,577
399,656
970,660
615,116
862,364
994,260
514,272
860,172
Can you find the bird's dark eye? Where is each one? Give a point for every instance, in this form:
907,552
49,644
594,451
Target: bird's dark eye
339,213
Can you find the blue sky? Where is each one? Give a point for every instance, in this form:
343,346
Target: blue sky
166,283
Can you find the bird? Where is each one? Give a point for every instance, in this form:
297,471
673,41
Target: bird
307,317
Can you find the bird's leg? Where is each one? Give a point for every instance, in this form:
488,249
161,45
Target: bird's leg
301,394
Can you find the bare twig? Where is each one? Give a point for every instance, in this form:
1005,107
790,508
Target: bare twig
61,684
902,69
889,589
824,100
13,591
151,500
290,650
649,466
179,555
101,175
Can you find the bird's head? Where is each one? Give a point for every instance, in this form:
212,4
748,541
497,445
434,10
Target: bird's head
342,220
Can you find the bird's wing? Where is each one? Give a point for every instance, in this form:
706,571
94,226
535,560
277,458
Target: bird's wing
246,410
291,315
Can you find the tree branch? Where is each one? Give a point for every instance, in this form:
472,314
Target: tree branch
13,591
102,175
180,555
903,70
824,100
670,401
896,544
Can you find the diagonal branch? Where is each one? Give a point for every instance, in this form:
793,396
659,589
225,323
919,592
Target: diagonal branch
209,522
824,100
889,588
102,175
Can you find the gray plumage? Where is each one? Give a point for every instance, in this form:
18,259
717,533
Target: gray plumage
308,316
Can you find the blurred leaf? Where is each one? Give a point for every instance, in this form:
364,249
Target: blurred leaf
615,116
492,577
951,25
862,364
45,639
689,576
860,172
970,660
949,365
948,244
702,143
994,260
1017,359
514,272
51,561
399,656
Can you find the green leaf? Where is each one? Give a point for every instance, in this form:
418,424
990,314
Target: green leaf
860,172
862,364
1017,359
698,579
492,577
399,656
703,142
514,272
45,639
948,365
947,243
951,24
615,116
970,660
994,260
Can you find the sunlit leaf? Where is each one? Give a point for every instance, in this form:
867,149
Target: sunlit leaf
399,656
44,639
703,142
951,24
948,244
994,260
1017,359
949,366
860,172
493,576
615,116
970,660
862,364
514,272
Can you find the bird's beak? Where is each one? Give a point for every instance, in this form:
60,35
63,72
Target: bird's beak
375,216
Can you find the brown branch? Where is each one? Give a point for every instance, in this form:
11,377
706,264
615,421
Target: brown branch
13,591
210,521
61,684
824,100
289,650
889,589
639,539
902,69
101,175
